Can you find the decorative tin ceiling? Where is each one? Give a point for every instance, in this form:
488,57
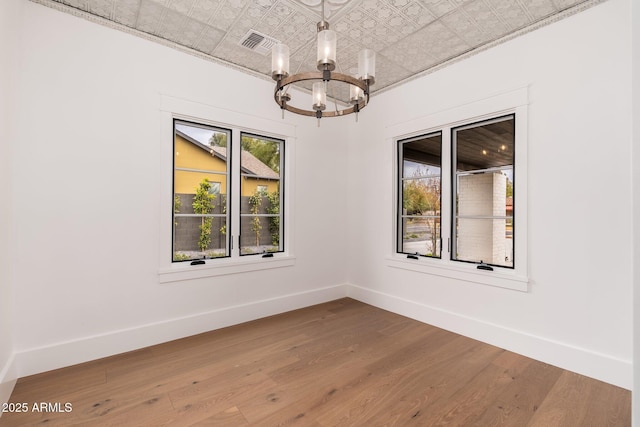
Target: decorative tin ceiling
411,37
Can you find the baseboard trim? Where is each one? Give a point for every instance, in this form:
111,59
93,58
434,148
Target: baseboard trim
41,359
8,378
602,367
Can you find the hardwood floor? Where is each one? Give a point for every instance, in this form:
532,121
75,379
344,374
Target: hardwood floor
342,363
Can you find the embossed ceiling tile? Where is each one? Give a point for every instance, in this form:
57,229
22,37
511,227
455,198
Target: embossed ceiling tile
407,54
284,9
439,7
126,12
209,39
435,33
383,13
355,17
243,24
565,4
369,5
190,33
448,49
271,21
302,45
464,26
419,14
343,26
150,17
172,25
224,19
388,71
203,10
284,33
255,11
267,27
369,42
102,8
513,14
162,3
236,4
181,6
231,52
480,12
538,9
399,4
79,4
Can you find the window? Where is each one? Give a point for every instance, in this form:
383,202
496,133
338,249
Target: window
461,192
205,197
483,156
481,229
260,209
419,196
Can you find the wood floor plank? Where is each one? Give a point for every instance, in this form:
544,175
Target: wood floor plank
342,363
520,400
578,401
468,403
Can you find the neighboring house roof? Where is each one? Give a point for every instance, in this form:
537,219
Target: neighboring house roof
250,164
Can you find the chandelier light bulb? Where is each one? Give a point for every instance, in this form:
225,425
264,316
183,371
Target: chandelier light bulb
279,61
327,41
319,96
367,65
355,94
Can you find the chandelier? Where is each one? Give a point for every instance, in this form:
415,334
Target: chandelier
326,64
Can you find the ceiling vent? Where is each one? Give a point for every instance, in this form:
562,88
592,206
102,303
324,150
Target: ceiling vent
258,42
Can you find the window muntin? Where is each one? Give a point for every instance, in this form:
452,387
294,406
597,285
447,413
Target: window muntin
419,221
200,192
483,156
261,201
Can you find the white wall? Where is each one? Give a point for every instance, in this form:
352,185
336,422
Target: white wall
578,311
8,10
86,179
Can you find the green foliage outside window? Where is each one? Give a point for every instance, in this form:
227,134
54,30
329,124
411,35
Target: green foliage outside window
255,201
274,221
203,205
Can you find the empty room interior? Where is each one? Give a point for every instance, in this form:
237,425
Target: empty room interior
319,213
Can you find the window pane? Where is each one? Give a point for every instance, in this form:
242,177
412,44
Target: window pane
200,202
199,237
260,195
485,240
419,198
483,219
421,235
260,234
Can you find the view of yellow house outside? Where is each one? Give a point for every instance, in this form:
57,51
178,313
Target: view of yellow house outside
202,201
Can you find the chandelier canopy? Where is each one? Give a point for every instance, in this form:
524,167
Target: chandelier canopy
326,64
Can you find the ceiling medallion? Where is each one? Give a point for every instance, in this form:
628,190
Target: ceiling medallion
326,64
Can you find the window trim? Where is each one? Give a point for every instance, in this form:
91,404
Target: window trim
192,111
501,104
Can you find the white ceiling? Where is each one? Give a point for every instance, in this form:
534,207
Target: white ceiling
411,37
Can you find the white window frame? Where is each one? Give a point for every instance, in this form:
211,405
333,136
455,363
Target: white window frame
511,102
176,108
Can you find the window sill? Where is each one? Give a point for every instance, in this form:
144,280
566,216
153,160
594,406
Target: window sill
469,273
221,267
